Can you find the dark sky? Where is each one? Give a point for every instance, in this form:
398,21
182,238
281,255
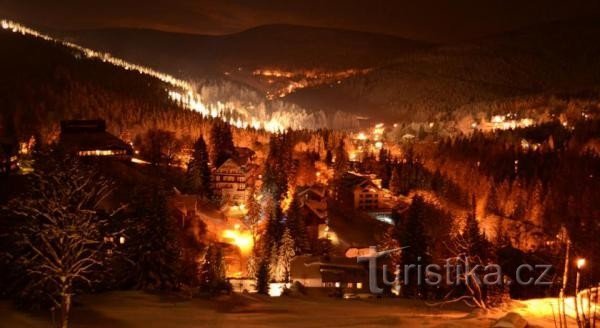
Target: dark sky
433,20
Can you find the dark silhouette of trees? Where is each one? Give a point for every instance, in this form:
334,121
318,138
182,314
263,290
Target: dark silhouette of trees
198,172
221,143
262,278
159,147
154,244
213,273
413,236
295,222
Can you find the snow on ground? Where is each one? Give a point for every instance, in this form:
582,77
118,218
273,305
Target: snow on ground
137,309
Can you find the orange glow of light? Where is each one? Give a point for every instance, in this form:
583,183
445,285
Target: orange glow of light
361,136
241,239
580,263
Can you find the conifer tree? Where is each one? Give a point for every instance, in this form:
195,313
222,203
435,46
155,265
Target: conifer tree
475,240
253,216
341,164
213,273
262,278
286,254
154,243
395,181
413,236
198,173
296,225
222,143
275,265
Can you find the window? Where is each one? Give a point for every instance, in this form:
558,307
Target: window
349,285
359,285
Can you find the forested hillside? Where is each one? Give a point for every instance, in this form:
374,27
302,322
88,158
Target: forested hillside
43,83
559,57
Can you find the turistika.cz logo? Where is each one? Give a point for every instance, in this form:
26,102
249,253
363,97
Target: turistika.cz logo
453,272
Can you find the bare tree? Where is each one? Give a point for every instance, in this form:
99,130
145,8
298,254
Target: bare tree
62,236
471,255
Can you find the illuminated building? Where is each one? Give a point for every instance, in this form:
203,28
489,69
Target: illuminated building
360,191
335,272
313,201
231,180
88,138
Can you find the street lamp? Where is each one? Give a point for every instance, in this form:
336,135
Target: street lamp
580,264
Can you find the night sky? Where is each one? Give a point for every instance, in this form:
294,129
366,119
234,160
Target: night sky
432,20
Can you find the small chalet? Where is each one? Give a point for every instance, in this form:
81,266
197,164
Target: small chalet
88,138
313,201
8,156
335,272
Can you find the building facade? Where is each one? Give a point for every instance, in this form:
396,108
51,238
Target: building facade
361,192
335,272
231,180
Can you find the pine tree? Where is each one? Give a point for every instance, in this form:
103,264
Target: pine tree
213,273
475,241
286,254
262,278
341,164
222,143
253,216
413,235
198,173
154,242
395,181
278,167
296,225
275,265
385,168
274,226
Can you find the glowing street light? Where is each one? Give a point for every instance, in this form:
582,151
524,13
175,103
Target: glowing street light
580,263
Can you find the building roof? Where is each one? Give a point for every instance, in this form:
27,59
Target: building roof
329,270
317,190
318,208
89,135
351,180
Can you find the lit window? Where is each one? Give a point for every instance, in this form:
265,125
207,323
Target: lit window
359,285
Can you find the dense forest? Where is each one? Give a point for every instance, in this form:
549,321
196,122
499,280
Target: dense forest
46,82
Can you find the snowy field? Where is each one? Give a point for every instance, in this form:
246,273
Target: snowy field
137,309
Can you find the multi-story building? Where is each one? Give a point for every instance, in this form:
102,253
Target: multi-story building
231,180
362,192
